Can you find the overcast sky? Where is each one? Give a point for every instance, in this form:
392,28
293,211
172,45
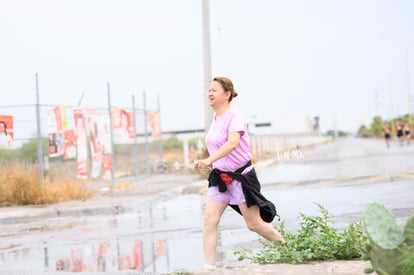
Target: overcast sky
296,58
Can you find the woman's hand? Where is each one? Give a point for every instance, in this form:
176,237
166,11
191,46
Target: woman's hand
202,163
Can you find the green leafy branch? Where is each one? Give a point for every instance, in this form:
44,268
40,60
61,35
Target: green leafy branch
316,240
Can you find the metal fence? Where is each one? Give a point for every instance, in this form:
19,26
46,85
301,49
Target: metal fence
117,141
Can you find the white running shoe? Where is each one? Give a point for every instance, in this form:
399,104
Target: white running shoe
209,266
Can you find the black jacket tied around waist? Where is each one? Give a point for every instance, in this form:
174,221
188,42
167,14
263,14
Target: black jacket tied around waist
251,190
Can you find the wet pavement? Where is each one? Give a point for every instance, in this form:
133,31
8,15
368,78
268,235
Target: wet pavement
132,229
153,225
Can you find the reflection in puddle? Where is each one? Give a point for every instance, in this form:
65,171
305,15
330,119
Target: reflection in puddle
162,237
112,255
159,237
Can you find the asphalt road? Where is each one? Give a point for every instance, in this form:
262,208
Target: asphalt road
343,176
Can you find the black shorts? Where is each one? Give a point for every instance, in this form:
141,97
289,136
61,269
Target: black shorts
387,135
400,133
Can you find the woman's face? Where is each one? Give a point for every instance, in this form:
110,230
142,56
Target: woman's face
217,95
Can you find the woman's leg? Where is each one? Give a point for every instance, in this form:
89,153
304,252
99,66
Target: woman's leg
212,215
255,223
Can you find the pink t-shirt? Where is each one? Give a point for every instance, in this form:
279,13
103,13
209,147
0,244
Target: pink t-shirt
231,121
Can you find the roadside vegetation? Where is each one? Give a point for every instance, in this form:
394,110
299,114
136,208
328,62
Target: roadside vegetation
316,240
20,185
376,238
376,128
20,182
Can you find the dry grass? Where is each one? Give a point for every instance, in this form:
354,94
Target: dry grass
20,184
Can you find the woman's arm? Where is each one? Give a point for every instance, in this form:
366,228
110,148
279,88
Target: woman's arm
233,140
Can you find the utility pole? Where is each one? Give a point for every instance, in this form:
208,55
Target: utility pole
39,133
208,112
392,108
407,70
160,138
136,155
147,149
108,89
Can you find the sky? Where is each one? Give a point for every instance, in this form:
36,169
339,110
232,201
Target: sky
343,61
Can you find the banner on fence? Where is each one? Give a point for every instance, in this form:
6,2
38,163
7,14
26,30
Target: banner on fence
69,137
57,124
6,131
100,142
81,143
154,122
123,125
94,141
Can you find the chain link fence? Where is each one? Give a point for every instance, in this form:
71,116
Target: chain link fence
101,143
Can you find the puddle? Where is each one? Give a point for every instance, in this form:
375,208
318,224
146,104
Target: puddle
164,237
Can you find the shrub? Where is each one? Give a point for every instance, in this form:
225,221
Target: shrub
20,184
316,239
